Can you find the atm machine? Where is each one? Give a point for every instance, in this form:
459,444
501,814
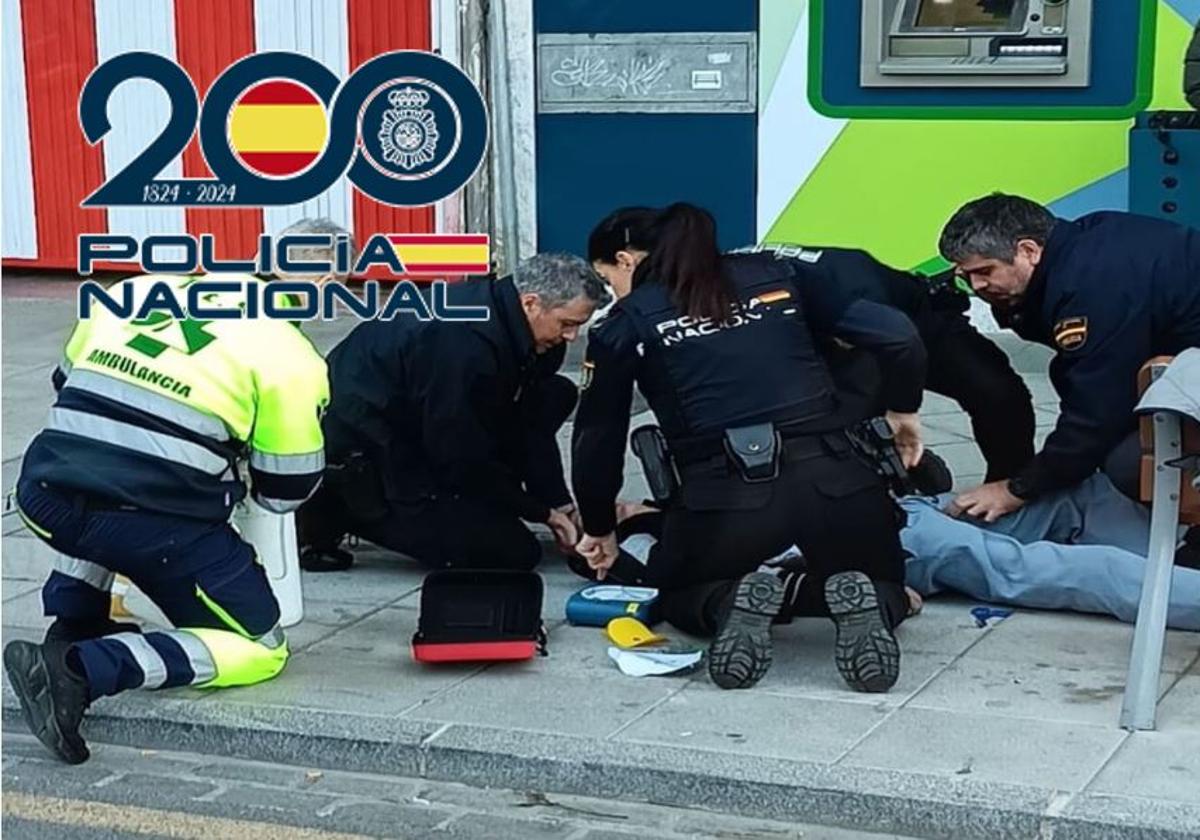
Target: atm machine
976,43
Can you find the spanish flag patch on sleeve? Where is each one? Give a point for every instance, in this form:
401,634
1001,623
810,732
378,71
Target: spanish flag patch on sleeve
771,298
1071,333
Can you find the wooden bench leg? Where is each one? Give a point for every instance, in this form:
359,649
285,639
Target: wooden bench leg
1149,634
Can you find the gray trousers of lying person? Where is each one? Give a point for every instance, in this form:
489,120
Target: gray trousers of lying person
1082,549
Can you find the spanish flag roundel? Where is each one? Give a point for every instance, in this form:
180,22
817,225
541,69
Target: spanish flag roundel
278,128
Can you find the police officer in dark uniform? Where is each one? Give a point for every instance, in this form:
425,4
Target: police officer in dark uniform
724,350
963,364
440,435
1107,292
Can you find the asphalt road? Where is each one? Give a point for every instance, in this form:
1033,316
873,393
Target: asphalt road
130,793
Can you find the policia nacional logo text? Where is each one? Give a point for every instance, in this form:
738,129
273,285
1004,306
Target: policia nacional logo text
675,330
137,370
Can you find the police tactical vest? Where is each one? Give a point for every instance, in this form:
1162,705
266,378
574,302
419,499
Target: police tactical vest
760,364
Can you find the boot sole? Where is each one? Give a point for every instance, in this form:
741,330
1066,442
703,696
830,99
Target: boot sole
741,654
26,667
866,652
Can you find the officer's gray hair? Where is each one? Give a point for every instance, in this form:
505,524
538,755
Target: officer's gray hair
324,227
991,227
558,279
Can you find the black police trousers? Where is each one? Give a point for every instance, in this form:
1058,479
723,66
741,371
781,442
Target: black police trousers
966,367
450,528
826,501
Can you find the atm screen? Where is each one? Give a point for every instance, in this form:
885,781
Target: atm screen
965,14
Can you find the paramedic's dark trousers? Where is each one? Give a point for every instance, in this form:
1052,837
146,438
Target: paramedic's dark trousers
454,529
201,575
828,503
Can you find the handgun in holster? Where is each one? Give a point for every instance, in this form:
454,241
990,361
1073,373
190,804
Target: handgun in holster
875,440
650,446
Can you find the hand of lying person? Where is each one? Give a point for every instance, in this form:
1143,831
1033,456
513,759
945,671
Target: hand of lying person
572,512
565,532
599,552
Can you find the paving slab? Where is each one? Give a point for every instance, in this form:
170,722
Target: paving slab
27,398
24,560
365,668
1179,710
1154,765
25,611
959,424
934,404
714,720
1155,819
804,666
534,697
1014,689
1076,642
935,435
1048,754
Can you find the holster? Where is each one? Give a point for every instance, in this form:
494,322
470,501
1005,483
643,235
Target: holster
650,446
755,451
874,441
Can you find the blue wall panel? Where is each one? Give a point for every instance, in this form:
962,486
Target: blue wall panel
646,15
590,164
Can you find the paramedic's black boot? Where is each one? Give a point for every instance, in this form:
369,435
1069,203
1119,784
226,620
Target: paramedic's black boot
314,559
65,631
866,652
741,653
52,696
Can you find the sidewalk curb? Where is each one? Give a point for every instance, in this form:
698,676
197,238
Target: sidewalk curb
847,797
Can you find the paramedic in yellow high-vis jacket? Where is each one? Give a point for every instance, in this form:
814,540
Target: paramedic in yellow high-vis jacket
136,473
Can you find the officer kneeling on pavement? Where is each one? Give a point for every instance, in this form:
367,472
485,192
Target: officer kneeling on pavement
1107,292
135,473
724,350
964,365
441,434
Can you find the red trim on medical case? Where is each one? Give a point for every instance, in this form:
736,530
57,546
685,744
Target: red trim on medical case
378,26
474,651
209,37
60,52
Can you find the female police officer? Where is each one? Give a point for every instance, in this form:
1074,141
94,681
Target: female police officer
722,347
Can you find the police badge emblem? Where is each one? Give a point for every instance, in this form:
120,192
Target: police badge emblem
1071,333
408,134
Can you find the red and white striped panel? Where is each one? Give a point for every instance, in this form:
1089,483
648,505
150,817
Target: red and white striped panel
50,47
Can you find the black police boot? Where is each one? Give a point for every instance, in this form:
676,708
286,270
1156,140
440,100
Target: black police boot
741,653
866,652
52,696
66,631
931,476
